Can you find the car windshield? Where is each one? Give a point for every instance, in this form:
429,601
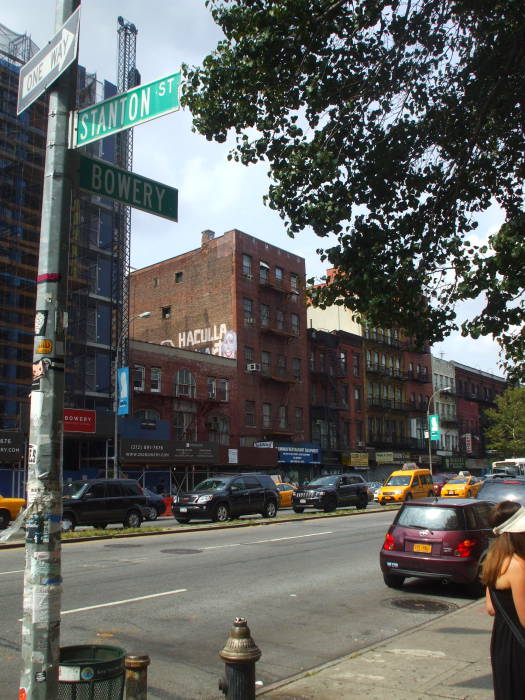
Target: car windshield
323,481
73,489
503,490
211,485
439,479
429,518
398,481
458,480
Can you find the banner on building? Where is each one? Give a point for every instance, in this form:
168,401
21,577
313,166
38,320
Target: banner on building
433,426
11,447
168,451
123,391
302,454
359,459
79,420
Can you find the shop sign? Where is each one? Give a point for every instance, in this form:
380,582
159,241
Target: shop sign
384,457
172,451
298,454
78,420
359,459
11,447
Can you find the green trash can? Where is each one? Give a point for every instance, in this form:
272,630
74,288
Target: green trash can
91,672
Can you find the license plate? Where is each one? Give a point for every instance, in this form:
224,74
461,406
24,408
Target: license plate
183,509
423,548
302,500
452,493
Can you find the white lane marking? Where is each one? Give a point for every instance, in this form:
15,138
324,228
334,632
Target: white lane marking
119,602
276,539
123,602
18,571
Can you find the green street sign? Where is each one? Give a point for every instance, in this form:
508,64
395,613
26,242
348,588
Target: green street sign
433,426
102,178
126,110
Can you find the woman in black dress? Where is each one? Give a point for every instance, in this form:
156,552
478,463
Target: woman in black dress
504,576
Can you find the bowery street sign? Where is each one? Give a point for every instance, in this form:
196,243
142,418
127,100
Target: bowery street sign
50,62
102,178
123,111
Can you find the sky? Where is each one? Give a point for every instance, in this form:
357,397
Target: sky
214,193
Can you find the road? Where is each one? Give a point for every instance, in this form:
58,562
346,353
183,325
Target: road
310,589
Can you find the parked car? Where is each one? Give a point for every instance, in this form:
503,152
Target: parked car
439,480
9,509
329,492
155,505
220,498
497,488
102,501
373,490
462,486
285,494
437,538
406,484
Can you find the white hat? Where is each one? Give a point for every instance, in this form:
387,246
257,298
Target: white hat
516,523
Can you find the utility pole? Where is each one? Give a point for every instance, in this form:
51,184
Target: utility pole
42,578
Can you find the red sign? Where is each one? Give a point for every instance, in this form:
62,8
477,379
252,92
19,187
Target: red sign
78,420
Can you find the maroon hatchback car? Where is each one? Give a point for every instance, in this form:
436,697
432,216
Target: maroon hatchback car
438,538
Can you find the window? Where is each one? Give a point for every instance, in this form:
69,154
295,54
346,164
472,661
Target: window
357,398
212,388
249,413
283,416
299,418
267,415
247,266
296,368
295,323
219,430
147,414
266,361
342,362
294,282
166,312
279,273
156,282
139,376
312,361
178,277
344,395
185,426
265,315
321,362
155,379
248,356
185,383
264,272
248,312
346,435
223,389
279,319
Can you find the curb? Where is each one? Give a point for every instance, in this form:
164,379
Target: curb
360,652
205,528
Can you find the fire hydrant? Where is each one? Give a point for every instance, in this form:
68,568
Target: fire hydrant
240,654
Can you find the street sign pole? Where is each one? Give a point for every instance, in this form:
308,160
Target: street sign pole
42,578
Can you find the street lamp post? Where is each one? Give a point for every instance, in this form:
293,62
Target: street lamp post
144,314
438,391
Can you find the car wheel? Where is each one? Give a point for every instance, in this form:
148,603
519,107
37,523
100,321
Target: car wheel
183,521
362,504
408,497
270,509
132,519
4,519
296,509
68,522
393,580
102,526
152,513
330,506
221,513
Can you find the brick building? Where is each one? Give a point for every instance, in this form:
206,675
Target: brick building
239,298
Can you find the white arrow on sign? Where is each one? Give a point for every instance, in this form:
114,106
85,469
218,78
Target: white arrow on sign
50,62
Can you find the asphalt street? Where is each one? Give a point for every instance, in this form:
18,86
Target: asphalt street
310,589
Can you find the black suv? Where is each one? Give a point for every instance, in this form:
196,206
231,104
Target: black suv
329,492
501,487
222,497
102,501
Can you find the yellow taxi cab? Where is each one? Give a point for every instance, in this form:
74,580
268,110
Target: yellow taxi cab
9,509
406,484
285,494
462,486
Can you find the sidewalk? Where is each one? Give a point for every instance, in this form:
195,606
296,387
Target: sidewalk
447,657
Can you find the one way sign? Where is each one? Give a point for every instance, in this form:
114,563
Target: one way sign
50,62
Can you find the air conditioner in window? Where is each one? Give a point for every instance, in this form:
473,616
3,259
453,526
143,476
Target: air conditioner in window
249,321
360,443
253,367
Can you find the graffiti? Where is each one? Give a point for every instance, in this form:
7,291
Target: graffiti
213,340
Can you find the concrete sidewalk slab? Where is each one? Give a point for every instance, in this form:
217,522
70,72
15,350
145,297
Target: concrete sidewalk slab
447,657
